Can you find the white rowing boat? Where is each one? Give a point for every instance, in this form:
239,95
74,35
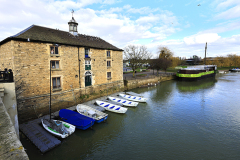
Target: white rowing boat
123,102
91,112
112,107
58,128
133,98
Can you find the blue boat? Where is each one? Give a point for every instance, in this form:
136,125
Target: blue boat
76,119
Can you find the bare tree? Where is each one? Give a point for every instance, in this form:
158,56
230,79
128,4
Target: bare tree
137,56
160,64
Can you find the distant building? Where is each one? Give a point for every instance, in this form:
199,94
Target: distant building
195,60
80,64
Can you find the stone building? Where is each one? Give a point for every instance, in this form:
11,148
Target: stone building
77,67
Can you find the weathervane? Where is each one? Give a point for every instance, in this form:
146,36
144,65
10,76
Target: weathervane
72,12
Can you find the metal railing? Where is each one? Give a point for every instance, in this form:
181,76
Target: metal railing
6,75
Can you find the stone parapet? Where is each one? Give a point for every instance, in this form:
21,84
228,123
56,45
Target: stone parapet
10,145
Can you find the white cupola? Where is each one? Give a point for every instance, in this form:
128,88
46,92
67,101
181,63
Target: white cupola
73,25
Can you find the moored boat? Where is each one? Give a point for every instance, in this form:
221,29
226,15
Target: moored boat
91,113
58,128
123,102
133,98
197,72
76,119
235,70
111,107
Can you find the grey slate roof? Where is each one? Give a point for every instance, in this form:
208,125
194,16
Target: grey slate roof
48,35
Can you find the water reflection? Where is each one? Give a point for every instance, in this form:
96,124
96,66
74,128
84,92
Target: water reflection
193,86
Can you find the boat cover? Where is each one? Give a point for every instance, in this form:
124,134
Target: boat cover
75,118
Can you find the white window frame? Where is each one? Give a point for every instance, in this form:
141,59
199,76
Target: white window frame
55,64
56,81
53,50
108,75
108,53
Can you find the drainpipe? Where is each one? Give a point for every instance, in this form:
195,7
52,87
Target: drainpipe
79,78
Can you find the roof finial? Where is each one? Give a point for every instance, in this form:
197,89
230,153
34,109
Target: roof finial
72,12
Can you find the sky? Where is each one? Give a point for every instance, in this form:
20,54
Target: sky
183,26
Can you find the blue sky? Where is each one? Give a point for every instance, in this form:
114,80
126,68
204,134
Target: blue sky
182,26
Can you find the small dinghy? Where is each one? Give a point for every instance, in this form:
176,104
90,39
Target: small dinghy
133,98
58,128
123,102
76,119
91,112
112,107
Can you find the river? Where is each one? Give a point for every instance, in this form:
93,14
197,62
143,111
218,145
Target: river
181,120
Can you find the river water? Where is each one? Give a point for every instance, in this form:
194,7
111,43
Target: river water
181,120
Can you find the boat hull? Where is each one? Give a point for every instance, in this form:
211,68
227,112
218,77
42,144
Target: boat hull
101,120
112,107
123,102
195,78
234,70
133,98
97,115
70,128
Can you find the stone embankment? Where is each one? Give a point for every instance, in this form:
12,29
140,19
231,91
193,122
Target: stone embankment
141,82
10,145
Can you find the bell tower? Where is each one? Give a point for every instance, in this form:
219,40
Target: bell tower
73,25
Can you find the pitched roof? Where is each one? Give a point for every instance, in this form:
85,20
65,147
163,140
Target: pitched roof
48,35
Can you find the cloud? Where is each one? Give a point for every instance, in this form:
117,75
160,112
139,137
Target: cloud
231,13
142,10
226,9
218,46
201,38
226,3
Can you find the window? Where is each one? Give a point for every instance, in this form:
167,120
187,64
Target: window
55,64
54,50
87,65
56,82
87,52
108,63
108,54
75,28
109,75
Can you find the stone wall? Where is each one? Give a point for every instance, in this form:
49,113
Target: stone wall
30,62
6,56
130,84
7,91
37,106
10,145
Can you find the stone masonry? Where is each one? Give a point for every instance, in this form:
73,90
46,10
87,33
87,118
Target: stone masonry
30,62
